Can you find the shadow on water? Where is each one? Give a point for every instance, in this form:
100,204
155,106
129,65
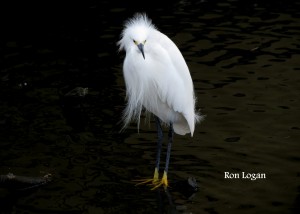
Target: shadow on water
62,96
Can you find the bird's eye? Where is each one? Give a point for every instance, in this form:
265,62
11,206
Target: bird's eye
135,42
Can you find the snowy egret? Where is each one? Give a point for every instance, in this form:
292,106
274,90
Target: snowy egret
158,80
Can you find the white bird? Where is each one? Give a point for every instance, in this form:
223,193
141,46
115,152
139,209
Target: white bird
158,80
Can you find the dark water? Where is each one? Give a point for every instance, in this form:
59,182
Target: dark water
245,62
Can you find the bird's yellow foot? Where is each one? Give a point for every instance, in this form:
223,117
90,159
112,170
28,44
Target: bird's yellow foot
150,181
155,182
163,182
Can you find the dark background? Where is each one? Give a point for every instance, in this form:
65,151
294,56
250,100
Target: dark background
50,50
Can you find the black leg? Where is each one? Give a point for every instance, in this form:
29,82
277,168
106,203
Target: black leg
155,179
170,141
159,142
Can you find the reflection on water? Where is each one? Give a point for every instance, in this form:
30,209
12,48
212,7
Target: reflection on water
62,95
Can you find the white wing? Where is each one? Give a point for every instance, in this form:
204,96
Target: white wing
174,82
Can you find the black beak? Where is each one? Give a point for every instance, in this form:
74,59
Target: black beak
141,47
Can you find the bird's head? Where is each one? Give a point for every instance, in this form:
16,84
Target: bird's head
136,33
139,40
